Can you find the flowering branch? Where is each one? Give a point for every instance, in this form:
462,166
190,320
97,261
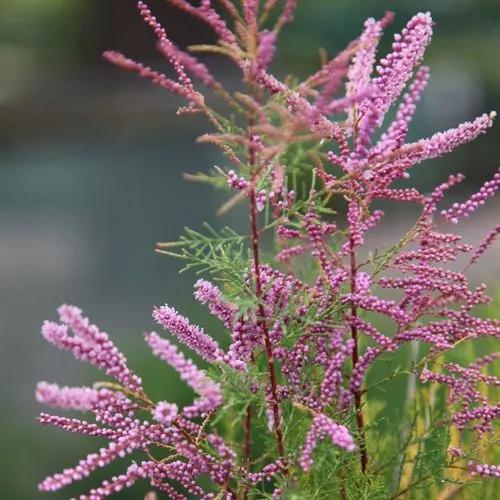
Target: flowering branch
308,319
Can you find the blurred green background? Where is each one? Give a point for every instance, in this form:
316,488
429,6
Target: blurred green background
90,178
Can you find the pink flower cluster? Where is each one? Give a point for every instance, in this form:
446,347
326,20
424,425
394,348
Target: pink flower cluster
297,339
472,407
88,343
323,427
191,335
209,391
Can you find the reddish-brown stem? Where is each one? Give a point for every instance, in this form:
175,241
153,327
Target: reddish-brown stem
355,359
261,317
263,324
247,424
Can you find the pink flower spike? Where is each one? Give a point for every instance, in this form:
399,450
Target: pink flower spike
123,446
159,79
445,142
484,470
117,484
91,345
209,391
397,131
207,293
361,68
397,67
460,210
245,336
251,11
286,15
485,244
78,426
265,50
68,398
371,303
193,336
208,15
190,63
322,427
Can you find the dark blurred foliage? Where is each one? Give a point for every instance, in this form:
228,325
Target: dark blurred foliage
90,177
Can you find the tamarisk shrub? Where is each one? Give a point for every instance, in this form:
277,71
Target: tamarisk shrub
283,408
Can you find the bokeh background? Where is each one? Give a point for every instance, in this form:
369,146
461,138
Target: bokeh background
91,160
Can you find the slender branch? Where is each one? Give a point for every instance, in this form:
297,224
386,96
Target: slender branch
263,324
247,425
355,359
412,485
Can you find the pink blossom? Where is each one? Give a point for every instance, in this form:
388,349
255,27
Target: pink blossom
193,336
395,69
89,344
165,412
68,398
209,391
323,427
207,293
